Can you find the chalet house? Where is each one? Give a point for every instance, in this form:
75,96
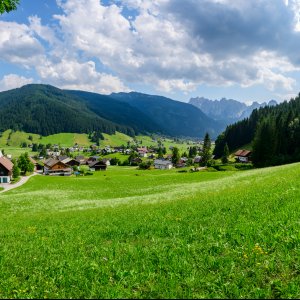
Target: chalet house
162,164
97,166
106,161
62,157
92,159
6,167
56,168
81,159
243,156
71,162
143,152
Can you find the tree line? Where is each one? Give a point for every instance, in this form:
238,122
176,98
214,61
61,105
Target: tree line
274,133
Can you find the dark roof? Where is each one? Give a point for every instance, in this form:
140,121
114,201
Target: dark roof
99,163
6,163
243,153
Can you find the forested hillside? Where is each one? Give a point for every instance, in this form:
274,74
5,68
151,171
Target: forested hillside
46,110
174,117
273,131
117,111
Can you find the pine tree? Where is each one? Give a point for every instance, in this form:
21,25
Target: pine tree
225,154
175,156
206,152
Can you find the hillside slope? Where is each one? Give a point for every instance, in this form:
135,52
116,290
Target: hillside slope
273,131
117,111
46,110
174,117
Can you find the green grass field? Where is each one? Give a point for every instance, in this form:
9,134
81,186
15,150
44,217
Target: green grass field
66,139
127,233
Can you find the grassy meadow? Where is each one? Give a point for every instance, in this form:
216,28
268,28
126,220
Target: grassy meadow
127,233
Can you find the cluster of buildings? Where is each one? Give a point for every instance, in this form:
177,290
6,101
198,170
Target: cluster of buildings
64,165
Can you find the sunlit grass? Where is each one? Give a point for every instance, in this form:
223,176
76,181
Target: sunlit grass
127,233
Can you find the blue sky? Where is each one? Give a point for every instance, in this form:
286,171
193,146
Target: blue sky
243,50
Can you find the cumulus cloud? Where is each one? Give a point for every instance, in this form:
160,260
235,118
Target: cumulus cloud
172,45
18,45
71,74
13,81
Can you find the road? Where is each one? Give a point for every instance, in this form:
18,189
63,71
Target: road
8,186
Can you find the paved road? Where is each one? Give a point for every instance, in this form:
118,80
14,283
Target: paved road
8,186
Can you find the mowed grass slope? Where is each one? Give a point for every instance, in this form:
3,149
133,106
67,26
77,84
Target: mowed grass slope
150,234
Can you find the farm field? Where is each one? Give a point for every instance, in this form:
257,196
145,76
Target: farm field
127,233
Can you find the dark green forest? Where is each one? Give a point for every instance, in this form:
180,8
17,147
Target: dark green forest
45,110
273,131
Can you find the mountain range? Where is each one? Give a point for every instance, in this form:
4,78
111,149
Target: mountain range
45,110
227,111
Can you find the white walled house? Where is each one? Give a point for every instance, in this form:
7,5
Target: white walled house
163,164
243,156
6,167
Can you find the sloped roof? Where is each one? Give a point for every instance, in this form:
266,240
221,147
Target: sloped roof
243,153
162,162
6,163
50,162
32,160
99,163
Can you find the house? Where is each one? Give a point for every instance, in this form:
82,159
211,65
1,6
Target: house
97,166
143,152
92,159
62,157
6,167
197,159
56,167
52,153
81,159
163,164
71,162
243,155
106,161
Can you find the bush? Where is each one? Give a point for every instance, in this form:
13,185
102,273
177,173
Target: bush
145,165
241,166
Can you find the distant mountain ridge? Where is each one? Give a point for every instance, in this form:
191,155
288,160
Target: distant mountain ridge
225,110
45,110
174,117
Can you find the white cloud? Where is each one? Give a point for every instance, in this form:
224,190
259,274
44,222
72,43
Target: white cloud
171,45
13,81
70,74
18,45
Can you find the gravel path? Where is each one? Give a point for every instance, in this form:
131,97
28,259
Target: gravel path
8,186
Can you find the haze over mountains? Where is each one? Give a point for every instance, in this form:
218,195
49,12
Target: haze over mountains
46,110
227,111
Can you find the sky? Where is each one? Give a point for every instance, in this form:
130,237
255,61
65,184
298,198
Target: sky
237,49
